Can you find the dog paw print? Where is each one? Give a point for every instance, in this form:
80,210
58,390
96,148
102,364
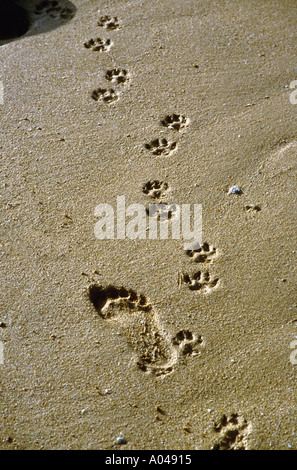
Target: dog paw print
162,211
117,76
187,342
175,122
233,433
105,95
155,189
108,22
53,9
161,146
101,45
201,281
204,254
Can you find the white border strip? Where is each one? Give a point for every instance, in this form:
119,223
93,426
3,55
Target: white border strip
1,93
1,352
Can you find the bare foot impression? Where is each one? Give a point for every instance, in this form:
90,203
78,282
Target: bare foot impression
155,189
201,281
108,22
161,147
105,95
117,76
133,312
176,122
204,254
98,44
233,433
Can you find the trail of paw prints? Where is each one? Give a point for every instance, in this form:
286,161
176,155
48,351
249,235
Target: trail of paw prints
110,95
116,76
204,254
155,189
233,431
98,44
161,147
155,352
53,9
105,95
199,281
159,210
176,122
101,44
108,22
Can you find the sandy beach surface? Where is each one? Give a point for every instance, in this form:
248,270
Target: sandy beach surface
139,344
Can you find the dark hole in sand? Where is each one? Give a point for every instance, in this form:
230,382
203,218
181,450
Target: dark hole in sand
13,20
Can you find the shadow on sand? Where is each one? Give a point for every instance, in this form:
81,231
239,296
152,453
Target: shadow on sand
19,18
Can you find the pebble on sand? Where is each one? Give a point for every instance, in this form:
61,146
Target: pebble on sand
235,190
121,440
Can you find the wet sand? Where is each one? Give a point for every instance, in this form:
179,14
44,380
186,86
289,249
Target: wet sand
173,349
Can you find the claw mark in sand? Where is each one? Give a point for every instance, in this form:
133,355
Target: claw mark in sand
252,208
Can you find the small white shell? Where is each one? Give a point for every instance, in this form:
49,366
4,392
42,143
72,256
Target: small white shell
121,440
235,190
